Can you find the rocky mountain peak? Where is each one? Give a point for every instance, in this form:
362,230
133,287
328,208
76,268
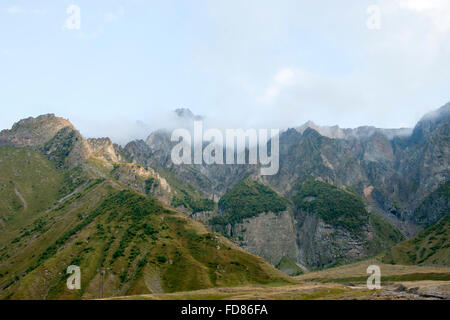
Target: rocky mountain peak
34,132
311,133
186,113
363,132
431,121
104,148
333,132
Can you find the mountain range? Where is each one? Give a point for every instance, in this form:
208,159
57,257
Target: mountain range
150,226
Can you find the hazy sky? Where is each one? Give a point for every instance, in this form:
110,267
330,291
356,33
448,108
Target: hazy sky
241,63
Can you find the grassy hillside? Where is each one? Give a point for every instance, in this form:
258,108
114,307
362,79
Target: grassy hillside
385,234
430,247
28,182
289,267
29,185
247,199
143,246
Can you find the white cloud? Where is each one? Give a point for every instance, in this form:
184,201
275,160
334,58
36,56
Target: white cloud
116,15
436,11
14,10
423,5
283,78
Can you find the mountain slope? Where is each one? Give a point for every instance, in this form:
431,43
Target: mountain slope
54,137
430,247
433,207
28,182
142,245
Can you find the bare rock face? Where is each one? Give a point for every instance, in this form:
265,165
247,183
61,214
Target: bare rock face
378,148
34,132
268,235
142,179
104,149
160,147
322,245
138,151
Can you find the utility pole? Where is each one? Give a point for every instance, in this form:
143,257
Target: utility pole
102,274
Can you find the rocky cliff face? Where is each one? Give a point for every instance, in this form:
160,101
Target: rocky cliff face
142,179
322,245
268,235
104,149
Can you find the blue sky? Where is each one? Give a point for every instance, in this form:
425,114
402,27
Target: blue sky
241,63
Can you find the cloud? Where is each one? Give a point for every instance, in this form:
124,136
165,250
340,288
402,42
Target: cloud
116,15
15,10
436,11
283,78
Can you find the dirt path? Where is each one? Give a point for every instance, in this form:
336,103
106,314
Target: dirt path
73,192
20,197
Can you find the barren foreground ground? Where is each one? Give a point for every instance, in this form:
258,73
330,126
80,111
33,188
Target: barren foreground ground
346,282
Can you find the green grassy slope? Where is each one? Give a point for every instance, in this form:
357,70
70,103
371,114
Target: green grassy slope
335,206
386,235
430,247
142,246
28,182
289,267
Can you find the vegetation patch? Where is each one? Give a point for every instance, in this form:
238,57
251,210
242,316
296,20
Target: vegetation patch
430,247
386,235
189,201
335,206
247,199
289,267
433,276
